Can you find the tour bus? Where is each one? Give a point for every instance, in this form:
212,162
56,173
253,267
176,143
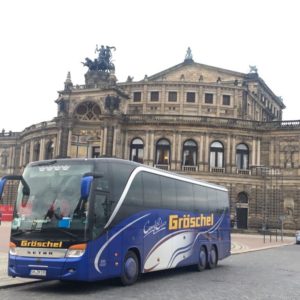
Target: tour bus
92,219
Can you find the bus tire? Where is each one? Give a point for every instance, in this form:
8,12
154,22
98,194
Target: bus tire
212,258
130,269
202,259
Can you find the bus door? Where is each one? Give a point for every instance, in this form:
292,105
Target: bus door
101,211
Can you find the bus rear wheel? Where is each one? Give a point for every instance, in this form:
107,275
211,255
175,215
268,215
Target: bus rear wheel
202,259
130,271
212,258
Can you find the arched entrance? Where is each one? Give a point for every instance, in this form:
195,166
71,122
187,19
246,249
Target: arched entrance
242,211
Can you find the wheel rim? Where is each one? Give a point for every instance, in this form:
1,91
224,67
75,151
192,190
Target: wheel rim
130,268
202,257
213,256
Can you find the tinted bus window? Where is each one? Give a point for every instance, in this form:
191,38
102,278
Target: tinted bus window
185,198
200,198
222,200
120,176
135,193
152,190
168,192
212,200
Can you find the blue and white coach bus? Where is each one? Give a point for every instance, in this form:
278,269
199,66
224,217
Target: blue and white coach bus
91,219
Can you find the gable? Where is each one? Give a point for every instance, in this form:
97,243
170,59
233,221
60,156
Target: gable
195,72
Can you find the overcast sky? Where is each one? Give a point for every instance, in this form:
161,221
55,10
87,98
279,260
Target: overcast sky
42,40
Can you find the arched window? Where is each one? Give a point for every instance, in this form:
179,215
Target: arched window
163,150
137,150
242,157
49,150
189,153
216,155
36,152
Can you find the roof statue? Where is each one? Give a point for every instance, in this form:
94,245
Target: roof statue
103,62
188,55
253,69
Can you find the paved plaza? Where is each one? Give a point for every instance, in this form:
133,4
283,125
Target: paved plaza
241,243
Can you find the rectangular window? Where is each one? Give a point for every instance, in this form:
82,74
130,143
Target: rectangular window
154,96
95,152
152,190
168,192
137,97
172,97
226,99
190,97
200,198
185,197
209,98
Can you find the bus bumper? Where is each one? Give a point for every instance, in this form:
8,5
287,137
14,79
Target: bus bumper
47,269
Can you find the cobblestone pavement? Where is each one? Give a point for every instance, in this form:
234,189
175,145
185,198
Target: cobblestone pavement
241,243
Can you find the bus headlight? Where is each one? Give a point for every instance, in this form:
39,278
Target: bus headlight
76,250
12,248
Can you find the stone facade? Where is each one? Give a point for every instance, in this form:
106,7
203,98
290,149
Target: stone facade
209,123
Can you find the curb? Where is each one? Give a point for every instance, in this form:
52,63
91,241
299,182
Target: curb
261,248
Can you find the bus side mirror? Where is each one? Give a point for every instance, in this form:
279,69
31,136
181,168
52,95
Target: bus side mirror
2,184
26,189
85,186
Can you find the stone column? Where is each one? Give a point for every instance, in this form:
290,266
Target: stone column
104,140
233,153
253,156
110,140
114,146
200,99
179,152
69,146
151,161
181,99
271,156
21,156
146,149
201,150
126,150
206,153
31,151
218,101
258,151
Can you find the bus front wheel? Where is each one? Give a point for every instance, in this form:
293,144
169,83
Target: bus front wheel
212,258
130,272
202,259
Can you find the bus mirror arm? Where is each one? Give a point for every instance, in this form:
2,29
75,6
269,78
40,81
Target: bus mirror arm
26,189
86,182
93,174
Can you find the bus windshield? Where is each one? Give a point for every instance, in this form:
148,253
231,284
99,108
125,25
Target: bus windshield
53,207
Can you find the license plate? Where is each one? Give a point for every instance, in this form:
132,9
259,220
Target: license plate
38,272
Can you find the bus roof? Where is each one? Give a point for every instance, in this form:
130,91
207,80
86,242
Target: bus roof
134,164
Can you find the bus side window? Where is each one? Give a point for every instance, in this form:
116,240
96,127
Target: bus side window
168,193
120,175
212,200
134,196
152,190
184,192
200,198
222,200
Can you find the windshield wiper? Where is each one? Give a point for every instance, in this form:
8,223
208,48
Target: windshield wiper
19,232
73,235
